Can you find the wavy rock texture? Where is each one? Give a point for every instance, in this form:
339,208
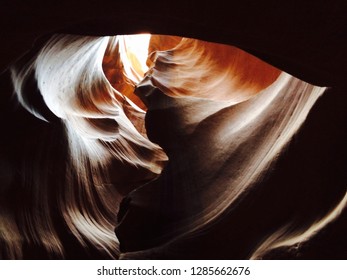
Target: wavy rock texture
223,126
255,159
101,155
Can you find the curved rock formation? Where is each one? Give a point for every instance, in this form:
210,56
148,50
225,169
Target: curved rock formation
255,158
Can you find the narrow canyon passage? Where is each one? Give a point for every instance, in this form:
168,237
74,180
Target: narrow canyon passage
201,144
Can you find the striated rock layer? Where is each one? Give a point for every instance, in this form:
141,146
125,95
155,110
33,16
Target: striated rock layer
203,152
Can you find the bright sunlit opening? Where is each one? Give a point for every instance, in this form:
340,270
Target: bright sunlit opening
135,49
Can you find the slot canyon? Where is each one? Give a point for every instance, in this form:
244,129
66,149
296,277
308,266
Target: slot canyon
173,130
